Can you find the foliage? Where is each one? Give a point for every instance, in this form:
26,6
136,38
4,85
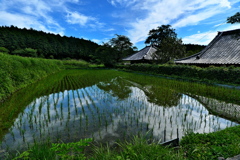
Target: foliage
193,48
3,50
169,46
194,146
225,143
106,55
75,64
74,150
142,149
121,44
156,36
137,148
71,150
27,52
48,45
211,73
234,19
170,49
18,72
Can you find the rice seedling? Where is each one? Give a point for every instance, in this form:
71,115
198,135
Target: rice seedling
90,104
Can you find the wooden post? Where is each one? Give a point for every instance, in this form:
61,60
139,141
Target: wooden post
164,134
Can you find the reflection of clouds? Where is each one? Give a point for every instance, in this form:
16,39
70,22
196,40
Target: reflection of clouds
92,112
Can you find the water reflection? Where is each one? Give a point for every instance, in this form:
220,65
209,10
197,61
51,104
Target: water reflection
112,110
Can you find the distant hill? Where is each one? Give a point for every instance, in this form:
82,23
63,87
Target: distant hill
46,45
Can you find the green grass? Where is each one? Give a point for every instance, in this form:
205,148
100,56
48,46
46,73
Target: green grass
210,74
17,72
225,143
74,64
138,148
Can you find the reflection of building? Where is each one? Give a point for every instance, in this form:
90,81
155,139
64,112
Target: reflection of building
224,49
145,55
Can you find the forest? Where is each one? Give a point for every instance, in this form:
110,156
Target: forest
33,43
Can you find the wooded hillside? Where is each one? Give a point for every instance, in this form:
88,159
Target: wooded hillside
45,45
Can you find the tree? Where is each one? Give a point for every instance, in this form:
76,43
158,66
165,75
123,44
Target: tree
121,44
234,19
4,50
169,47
106,55
27,52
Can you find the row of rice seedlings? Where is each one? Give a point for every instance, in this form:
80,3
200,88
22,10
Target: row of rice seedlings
133,112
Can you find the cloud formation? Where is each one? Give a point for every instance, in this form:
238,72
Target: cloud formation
124,3
206,37
177,13
102,19
77,18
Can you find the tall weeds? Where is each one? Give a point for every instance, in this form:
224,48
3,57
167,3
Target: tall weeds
17,72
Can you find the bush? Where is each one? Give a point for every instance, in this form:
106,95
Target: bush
17,72
223,143
27,52
216,74
4,50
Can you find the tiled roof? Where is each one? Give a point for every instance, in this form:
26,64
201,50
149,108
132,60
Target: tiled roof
146,53
223,49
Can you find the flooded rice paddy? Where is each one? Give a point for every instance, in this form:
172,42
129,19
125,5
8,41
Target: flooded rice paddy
112,105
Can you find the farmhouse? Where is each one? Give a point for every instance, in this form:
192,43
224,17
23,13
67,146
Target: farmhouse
145,55
224,49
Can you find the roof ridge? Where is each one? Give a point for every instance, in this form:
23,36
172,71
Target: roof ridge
147,51
199,54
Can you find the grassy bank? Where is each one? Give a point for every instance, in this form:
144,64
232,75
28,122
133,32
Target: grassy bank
17,72
225,143
229,75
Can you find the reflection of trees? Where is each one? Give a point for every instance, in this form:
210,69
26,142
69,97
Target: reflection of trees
117,87
159,95
162,96
222,109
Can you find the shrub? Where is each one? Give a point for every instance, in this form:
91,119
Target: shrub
17,72
216,74
4,50
27,52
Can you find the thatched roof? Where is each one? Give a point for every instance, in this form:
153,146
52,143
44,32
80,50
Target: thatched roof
144,54
223,49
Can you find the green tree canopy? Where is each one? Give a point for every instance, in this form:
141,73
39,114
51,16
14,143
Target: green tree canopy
157,36
4,50
27,52
106,54
234,19
122,44
169,46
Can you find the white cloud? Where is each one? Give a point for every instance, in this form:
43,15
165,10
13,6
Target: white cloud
39,14
100,41
23,21
125,3
206,37
77,18
200,38
195,19
178,13
29,14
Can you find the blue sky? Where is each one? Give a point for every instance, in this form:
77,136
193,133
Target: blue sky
195,21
